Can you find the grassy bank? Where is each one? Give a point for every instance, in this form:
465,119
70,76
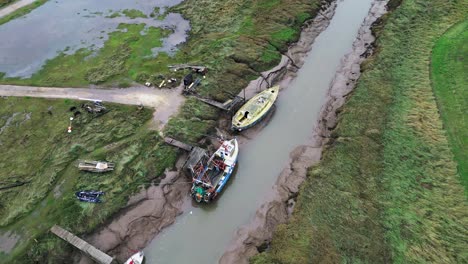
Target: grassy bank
37,150
450,82
22,11
4,3
386,189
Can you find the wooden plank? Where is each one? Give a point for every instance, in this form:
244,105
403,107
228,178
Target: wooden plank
178,144
82,245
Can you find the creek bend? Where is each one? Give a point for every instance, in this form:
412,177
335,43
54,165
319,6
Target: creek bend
201,234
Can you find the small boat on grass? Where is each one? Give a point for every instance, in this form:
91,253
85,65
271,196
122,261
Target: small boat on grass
136,258
210,178
96,166
255,109
89,196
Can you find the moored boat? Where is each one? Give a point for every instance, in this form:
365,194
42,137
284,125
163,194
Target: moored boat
136,258
255,109
89,196
211,178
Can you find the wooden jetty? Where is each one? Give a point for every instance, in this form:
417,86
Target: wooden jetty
196,154
229,106
178,144
94,253
200,69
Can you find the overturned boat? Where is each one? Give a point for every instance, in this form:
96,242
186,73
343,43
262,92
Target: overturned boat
96,166
136,258
211,177
89,196
255,109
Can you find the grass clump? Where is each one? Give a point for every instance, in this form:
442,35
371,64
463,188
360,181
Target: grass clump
37,149
450,82
133,13
386,189
194,121
5,2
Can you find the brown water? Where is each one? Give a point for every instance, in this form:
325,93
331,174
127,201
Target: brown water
26,43
201,234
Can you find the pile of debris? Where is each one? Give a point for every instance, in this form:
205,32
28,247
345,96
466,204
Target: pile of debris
96,108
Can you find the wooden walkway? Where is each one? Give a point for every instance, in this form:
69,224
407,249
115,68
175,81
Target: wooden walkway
94,253
178,144
196,154
228,106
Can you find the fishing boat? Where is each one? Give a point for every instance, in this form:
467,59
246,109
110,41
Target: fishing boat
211,177
255,109
89,196
136,258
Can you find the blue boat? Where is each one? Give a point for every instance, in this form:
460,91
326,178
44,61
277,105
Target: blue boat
211,178
89,196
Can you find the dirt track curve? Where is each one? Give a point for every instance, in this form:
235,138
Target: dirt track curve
15,6
165,101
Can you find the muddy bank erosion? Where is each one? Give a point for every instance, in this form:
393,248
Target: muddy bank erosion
254,237
150,211
144,216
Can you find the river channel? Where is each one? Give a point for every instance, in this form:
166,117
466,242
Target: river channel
201,234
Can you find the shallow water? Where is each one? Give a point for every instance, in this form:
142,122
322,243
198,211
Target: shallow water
202,234
28,42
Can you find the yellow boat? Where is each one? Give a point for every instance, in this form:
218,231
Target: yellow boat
255,109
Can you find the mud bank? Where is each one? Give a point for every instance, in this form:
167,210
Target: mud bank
145,215
254,237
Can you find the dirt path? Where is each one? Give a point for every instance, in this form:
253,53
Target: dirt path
15,6
165,101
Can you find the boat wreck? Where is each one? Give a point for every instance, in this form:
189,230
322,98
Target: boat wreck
96,166
89,196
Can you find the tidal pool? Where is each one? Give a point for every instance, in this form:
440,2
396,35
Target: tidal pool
26,43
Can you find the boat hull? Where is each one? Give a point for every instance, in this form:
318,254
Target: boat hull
136,258
255,110
206,186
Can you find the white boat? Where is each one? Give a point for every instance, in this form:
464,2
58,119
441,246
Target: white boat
211,178
136,258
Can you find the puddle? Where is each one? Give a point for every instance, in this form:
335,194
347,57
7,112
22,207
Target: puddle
8,241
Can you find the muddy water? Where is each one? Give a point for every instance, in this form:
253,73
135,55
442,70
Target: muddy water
65,26
201,234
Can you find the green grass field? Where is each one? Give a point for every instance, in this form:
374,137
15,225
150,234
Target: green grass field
386,189
37,149
450,82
